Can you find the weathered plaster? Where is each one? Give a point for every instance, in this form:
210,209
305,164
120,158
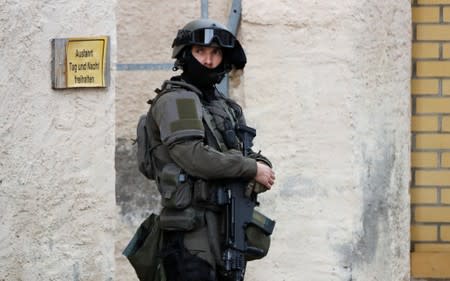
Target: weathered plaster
57,149
327,87
336,76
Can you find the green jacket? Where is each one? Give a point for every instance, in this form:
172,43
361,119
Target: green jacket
181,134
194,152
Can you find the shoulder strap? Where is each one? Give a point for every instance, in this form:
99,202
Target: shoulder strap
170,85
207,117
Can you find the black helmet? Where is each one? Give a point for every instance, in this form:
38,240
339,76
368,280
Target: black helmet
205,32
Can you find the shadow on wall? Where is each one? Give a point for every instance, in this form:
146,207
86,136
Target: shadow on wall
136,196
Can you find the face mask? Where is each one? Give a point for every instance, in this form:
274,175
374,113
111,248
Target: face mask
200,75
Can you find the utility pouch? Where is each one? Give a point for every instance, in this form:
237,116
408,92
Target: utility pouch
202,192
174,186
143,251
181,220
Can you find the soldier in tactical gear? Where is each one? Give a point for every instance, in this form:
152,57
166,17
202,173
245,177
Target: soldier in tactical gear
195,149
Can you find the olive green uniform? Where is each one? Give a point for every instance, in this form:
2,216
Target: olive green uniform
178,115
192,157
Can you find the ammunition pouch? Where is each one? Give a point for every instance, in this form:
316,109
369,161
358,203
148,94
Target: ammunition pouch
181,220
175,187
204,193
229,135
201,191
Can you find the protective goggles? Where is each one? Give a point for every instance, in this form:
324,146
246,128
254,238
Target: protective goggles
205,37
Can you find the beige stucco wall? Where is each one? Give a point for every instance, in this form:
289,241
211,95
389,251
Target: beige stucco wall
335,75
56,148
327,87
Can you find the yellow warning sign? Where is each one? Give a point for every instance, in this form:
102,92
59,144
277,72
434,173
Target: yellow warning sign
85,63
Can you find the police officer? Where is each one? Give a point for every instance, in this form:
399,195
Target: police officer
196,149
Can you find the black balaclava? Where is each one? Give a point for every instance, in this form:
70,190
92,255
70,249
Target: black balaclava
199,75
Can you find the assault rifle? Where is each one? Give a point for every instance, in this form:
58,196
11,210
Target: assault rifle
240,213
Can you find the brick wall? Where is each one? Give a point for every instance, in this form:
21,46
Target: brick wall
430,188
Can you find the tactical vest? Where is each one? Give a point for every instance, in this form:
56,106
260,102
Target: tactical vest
221,119
190,203
179,190
220,116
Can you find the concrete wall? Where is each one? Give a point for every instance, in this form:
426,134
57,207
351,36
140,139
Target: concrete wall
56,148
327,87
